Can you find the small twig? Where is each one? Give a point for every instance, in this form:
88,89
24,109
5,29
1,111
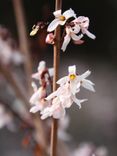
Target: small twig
23,40
54,128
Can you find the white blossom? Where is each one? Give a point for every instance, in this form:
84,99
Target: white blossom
77,80
60,19
62,98
71,34
83,23
37,100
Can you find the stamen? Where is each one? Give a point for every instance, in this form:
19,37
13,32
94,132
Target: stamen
72,76
62,18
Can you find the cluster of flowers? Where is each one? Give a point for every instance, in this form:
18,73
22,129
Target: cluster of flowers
9,53
74,30
55,104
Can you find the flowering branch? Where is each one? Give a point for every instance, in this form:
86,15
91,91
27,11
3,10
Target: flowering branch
58,6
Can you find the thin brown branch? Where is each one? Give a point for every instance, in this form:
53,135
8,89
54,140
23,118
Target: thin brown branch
58,5
23,40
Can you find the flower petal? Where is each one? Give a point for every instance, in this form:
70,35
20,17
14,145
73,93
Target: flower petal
69,13
51,71
84,75
35,109
57,13
35,76
59,112
51,96
62,81
52,26
66,41
72,69
77,101
75,37
89,34
86,84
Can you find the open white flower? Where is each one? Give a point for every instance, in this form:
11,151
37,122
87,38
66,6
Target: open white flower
76,80
71,34
83,22
60,19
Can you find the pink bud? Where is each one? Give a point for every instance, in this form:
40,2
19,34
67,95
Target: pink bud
50,38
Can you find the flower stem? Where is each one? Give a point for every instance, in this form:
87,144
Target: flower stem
58,5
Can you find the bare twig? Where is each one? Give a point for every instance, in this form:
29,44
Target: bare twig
23,40
54,128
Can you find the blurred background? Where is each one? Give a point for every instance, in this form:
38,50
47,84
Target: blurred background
96,122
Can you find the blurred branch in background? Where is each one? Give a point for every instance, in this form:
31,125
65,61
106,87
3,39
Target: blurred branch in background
23,39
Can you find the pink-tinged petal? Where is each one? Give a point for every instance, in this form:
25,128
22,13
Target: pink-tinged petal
35,76
89,34
50,38
83,21
73,87
66,41
51,72
59,112
62,81
78,101
57,13
34,109
75,37
87,84
79,42
53,25
69,13
84,75
34,86
51,96
76,29
46,113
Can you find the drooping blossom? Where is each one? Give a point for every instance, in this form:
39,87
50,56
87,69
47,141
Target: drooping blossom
60,19
65,95
50,38
71,34
83,23
37,99
43,73
62,98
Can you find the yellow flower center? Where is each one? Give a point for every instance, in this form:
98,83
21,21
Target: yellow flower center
72,76
62,18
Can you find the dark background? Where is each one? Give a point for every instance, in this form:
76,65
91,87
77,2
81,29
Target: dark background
97,121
